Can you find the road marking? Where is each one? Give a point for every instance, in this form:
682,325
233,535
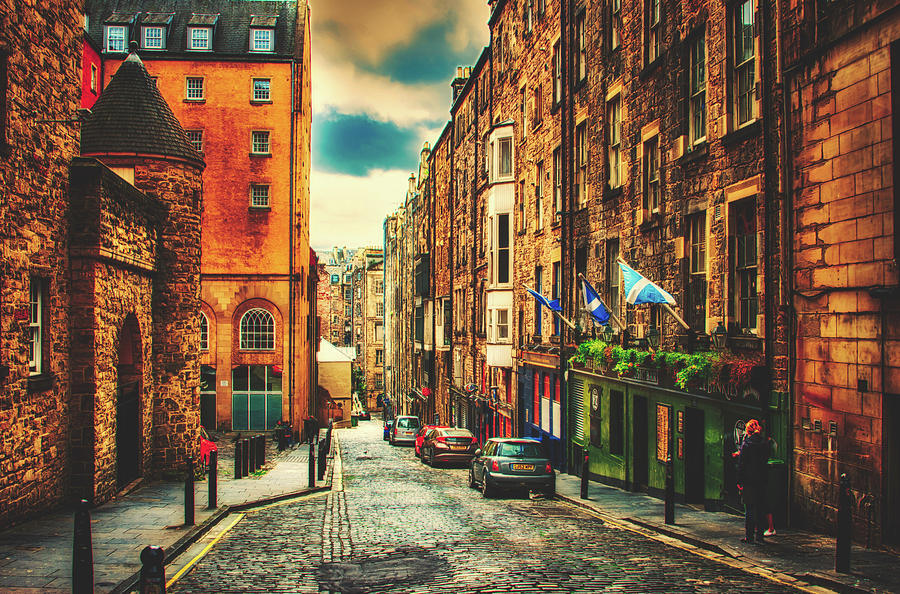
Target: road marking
203,553
286,501
717,557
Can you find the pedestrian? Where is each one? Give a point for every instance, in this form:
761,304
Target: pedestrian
752,459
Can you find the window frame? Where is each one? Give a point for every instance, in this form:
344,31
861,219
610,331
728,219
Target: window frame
696,253
557,184
94,76
36,322
254,143
269,34
107,38
539,196
557,74
504,158
581,40
162,29
256,195
746,67
193,39
744,273
697,82
204,332
188,90
581,164
652,31
615,24
652,174
614,155
257,336
198,142
254,97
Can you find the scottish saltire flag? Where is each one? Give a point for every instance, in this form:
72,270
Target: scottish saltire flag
593,303
640,290
552,305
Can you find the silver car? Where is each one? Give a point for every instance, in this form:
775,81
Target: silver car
405,429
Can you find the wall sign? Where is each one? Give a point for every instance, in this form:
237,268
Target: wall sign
681,448
663,431
681,422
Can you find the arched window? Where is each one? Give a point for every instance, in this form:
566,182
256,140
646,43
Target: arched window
204,332
257,331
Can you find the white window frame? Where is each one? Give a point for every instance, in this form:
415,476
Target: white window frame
199,39
146,39
697,99
257,144
94,74
581,164
196,138
505,160
191,89
204,332
654,29
742,68
262,334
581,35
557,184
615,26
502,326
539,196
260,94
614,117
36,327
262,40
652,162
259,196
112,43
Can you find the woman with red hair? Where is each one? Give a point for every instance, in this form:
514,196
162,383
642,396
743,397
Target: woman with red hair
752,459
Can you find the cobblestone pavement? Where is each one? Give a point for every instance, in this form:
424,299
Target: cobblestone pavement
397,525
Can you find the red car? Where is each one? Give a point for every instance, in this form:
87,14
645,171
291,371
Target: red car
420,437
449,444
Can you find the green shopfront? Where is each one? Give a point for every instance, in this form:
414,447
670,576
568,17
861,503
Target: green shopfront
632,425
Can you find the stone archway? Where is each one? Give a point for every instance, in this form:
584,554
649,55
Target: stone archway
128,403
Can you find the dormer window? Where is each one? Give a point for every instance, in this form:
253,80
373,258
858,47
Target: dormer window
115,38
153,38
261,40
200,39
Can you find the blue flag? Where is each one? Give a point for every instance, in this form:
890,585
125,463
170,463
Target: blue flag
593,303
552,305
641,290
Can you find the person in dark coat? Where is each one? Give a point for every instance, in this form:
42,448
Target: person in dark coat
752,459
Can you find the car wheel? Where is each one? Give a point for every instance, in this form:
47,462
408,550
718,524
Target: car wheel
487,491
472,483
431,460
550,491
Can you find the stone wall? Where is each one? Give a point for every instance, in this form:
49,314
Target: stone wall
41,47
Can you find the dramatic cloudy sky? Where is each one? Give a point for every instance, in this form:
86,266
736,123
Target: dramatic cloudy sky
381,72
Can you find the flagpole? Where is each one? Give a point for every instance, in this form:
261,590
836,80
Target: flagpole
666,306
559,315
611,314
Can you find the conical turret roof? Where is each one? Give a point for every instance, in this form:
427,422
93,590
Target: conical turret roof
131,116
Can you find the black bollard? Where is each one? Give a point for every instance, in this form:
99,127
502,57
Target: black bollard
251,445
82,551
245,457
312,464
261,450
585,466
238,460
282,439
323,455
153,571
670,491
213,479
844,528
189,495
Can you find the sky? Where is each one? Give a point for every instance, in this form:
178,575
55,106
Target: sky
381,73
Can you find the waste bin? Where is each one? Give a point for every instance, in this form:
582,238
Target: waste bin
776,491
354,420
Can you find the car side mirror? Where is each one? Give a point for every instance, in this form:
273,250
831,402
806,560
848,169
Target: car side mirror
478,452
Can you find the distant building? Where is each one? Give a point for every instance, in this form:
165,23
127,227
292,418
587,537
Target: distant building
335,387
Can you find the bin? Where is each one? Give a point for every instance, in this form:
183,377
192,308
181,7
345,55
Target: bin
354,420
776,491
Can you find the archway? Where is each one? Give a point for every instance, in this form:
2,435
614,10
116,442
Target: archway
128,404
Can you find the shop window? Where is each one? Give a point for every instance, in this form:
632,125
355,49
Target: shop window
255,397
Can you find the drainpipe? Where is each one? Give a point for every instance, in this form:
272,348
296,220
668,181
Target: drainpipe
291,313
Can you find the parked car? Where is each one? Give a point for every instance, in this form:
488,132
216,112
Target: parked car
508,463
364,415
388,425
420,437
404,430
448,444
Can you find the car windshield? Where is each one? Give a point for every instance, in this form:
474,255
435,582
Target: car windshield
457,433
521,450
408,423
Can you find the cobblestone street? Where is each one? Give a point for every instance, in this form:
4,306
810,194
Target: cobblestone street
400,526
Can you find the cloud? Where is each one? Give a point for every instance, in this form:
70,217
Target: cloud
356,144
350,210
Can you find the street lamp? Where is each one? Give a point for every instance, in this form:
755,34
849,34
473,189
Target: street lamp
719,335
653,337
608,334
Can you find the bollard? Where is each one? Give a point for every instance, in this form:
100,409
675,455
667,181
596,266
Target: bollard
189,495
322,459
251,457
153,572
585,466
238,460
282,439
670,491
312,464
213,479
245,457
261,451
844,527
82,551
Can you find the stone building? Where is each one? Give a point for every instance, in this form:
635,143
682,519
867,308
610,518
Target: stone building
367,275
237,75
101,258
336,296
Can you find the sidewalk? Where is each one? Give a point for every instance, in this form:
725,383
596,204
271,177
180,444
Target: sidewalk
800,558
37,556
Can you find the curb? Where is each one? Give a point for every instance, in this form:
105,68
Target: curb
181,545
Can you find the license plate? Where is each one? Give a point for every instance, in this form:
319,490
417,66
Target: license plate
523,466
459,447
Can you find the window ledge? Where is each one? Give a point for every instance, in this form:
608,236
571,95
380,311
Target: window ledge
539,231
654,221
40,383
261,155
261,209
743,133
612,192
195,100
580,84
745,342
651,67
260,101
698,152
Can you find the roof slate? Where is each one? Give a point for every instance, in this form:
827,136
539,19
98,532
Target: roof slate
231,20
131,116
